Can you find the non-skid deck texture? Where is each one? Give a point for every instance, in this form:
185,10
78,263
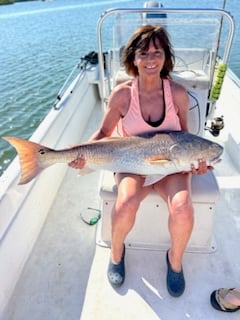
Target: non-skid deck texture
144,294
52,285
53,282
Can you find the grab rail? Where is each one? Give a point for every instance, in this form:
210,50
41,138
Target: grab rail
183,11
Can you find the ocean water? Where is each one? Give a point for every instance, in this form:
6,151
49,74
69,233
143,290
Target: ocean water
40,43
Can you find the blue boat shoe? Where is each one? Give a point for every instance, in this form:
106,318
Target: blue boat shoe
175,280
116,272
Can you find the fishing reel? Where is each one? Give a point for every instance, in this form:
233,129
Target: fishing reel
217,124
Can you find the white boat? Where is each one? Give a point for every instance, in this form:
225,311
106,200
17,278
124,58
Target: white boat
53,265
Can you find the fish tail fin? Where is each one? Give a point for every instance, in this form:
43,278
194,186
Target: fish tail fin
28,155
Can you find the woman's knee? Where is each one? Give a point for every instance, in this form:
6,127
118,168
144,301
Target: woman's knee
124,212
127,203
182,210
131,193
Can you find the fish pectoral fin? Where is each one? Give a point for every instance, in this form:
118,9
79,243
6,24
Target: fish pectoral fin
84,171
153,178
158,161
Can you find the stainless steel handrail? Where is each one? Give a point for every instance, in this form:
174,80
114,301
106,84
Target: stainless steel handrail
171,11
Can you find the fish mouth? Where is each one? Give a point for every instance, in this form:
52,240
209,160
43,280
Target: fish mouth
216,160
218,152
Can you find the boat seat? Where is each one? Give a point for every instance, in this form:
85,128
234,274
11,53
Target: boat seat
151,227
122,76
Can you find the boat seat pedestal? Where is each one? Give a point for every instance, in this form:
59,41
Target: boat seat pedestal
151,227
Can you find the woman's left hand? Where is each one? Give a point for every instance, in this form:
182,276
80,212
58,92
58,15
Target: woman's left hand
202,167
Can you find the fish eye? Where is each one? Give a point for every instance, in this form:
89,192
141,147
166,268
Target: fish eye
41,151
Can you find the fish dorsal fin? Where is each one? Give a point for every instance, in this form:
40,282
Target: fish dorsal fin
111,139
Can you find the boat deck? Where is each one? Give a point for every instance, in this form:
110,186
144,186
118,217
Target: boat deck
65,275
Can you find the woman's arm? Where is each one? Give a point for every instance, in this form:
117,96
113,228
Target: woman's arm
117,107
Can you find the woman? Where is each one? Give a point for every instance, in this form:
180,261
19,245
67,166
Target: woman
150,102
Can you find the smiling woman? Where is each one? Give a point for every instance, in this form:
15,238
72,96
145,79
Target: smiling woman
140,42
149,103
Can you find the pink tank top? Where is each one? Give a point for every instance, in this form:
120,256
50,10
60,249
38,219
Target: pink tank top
133,123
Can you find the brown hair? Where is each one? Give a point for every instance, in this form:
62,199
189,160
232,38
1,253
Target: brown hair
141,40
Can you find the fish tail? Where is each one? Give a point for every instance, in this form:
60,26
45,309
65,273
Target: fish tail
28,155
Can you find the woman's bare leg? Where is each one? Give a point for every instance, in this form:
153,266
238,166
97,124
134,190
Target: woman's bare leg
130,193
175,190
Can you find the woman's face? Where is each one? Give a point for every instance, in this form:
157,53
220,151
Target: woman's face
150,61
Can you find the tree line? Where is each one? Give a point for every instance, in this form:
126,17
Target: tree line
11,1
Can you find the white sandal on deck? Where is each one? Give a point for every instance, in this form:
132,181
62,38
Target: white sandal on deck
219,302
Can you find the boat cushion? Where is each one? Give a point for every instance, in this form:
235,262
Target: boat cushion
204,188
